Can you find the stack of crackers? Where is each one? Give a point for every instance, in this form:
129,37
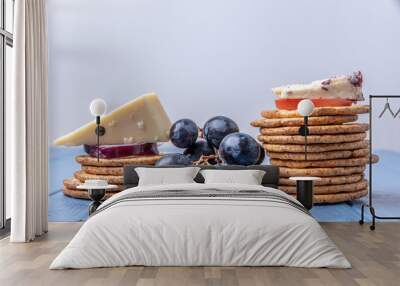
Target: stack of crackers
104,169
337,150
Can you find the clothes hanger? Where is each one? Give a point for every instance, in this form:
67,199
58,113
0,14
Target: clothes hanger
397,113
387,107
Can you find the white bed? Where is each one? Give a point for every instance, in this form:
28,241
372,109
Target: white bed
246,225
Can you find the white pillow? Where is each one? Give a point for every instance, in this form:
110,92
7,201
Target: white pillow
248,177
163,176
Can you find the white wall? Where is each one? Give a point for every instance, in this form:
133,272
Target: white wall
214,57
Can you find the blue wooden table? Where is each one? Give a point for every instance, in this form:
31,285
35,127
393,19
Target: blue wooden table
386,196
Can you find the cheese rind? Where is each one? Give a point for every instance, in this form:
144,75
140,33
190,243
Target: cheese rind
142,120
345,87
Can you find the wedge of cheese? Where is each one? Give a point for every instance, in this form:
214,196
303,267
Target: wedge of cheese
143,120
345,87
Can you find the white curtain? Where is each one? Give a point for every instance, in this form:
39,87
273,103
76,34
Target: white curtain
27,123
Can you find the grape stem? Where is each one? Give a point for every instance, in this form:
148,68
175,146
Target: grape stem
208,160
201,133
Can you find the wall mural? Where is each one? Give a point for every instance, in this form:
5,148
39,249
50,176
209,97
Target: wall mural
335,149
234,101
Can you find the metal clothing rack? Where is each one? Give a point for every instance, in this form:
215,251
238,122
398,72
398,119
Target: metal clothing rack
370,202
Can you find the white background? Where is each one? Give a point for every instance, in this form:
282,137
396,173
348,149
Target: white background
216,57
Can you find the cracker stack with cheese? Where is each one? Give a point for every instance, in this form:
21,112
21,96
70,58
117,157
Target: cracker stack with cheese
337,150
132,133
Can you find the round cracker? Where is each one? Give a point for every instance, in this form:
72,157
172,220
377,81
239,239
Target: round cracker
338,180
317,130
323,120
349,162
338,198
117,162
320,172
114,171
82,176
320,156
83,194
73,183
330,189
312,139
315,147
318,111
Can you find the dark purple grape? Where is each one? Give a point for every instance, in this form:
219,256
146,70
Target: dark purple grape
173,159
261,157
216,128
201,147
239,149
183,133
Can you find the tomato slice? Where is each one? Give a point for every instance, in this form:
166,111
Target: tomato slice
291,103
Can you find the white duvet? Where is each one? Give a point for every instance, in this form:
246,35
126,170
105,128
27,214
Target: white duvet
200,231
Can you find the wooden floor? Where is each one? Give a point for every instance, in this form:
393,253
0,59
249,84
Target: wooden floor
375,257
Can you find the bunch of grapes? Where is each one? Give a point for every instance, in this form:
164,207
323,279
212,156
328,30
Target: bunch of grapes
220,137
